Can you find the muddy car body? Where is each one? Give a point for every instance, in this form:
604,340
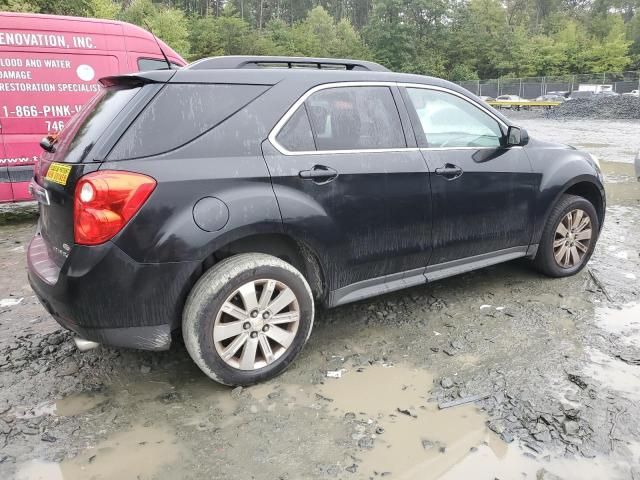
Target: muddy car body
245,193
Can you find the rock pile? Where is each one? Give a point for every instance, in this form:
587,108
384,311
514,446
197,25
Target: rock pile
620,107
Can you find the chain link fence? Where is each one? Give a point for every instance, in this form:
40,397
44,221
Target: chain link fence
532,87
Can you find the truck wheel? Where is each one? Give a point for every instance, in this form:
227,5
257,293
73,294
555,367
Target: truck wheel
569,237
247,318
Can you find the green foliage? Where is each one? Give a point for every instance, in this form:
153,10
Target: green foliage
456,39
58,7
169,24
610,54
24,6
389,36
463,72
103,9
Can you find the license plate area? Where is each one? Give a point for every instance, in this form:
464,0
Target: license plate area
58,173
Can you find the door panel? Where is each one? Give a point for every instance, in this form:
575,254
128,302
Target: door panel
482,192
372,220
488,207
348,185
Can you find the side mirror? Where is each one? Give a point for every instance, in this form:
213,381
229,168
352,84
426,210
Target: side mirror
517,136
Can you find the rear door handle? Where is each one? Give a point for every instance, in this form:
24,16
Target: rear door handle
319,173
449,171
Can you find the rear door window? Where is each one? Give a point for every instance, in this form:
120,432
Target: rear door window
355,118
179,114
296,135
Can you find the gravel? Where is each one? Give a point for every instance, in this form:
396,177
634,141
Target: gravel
528,368
621,107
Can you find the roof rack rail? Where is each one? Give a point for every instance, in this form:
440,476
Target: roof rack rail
241,61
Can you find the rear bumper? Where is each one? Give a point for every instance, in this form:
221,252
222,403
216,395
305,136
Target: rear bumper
103,295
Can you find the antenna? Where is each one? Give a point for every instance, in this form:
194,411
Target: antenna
159,47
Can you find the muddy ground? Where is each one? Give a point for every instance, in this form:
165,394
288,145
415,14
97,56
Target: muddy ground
554,366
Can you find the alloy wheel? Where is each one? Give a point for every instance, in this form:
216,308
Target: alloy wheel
256,324
572,238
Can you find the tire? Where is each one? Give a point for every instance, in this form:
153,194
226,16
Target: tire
545,260
218,292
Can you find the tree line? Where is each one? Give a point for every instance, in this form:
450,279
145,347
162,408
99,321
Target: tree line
455,39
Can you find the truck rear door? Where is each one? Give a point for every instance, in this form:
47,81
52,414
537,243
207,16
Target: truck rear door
6,194
44,89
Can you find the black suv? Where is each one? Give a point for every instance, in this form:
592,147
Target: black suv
228,197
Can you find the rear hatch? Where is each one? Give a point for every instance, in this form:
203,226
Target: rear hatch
78,150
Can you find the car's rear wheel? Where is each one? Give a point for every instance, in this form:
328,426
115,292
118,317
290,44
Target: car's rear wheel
569,237
247,318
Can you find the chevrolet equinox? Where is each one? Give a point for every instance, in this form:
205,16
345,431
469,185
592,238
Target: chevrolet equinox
229,197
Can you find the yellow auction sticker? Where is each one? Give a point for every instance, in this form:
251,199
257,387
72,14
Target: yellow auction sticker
58,173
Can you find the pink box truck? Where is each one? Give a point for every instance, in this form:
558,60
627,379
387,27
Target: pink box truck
49,67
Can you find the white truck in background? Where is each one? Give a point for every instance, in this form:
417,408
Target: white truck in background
595,88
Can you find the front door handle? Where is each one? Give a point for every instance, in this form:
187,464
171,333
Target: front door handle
449,171
319,174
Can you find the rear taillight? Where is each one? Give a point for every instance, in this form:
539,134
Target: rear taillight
105,201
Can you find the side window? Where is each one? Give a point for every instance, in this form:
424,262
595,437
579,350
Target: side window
146,64
450,121
180,113
355,118
296,135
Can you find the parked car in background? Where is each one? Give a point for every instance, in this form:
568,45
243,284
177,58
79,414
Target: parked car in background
49,68
549,97
487,99
510,98
506,99
632,93
560,93
280,188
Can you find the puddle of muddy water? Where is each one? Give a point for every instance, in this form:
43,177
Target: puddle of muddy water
78,404
69,406
449,444
624,321
422,446
614,373
508,462
138,453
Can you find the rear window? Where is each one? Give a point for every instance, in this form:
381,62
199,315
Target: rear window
80,135
179,114
146,64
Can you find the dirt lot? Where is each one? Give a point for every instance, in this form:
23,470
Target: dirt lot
554,366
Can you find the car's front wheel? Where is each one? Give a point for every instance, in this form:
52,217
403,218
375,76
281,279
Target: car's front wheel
247,318
569,237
